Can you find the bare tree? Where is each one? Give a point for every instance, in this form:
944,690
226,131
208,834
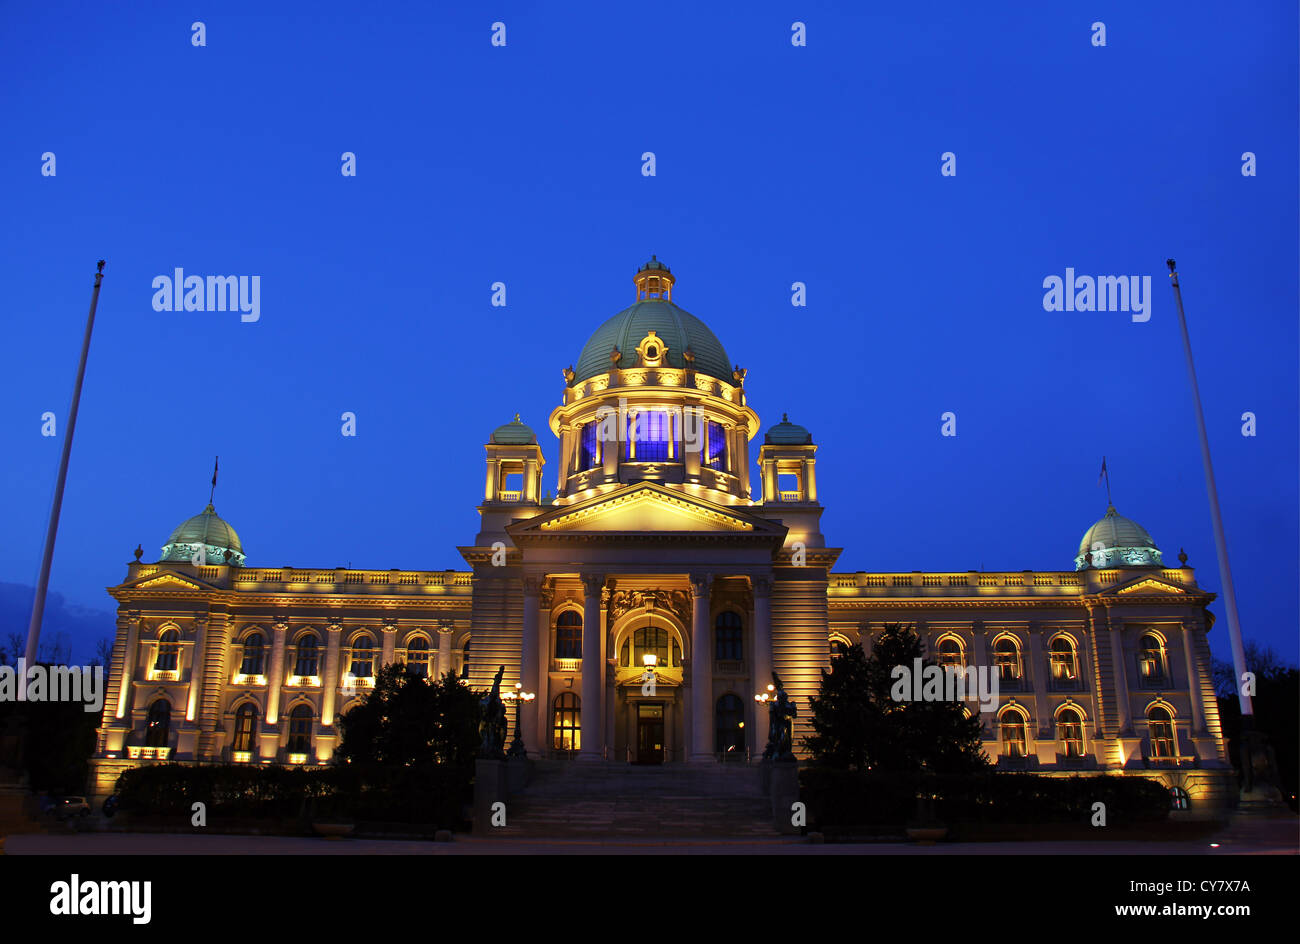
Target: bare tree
1264,661
103,652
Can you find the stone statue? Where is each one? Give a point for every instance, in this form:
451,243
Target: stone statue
492,727
781,711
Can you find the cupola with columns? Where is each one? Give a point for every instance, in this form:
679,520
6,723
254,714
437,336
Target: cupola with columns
787,461
514,465
654,398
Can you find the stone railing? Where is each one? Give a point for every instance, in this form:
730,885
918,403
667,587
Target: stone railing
308,580
970,584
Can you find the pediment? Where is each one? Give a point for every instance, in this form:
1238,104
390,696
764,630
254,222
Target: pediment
646,508
1150,585
166,580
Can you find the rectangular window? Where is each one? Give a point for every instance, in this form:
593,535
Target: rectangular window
587,449
652,432
715,456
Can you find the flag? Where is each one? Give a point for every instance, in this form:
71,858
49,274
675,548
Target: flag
1102,474
214,471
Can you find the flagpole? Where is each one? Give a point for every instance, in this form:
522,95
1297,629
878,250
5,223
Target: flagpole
1220,542
43,581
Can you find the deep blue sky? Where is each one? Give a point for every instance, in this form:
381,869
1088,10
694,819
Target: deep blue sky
775,164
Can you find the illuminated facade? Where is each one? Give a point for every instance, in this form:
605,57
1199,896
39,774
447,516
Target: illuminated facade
649,601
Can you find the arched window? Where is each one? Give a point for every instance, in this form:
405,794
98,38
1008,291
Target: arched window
568,722
300,730
650,640
158,725
254,654
1012,723
1179,799
1064,661
730,716
1151,660
1006,656
950,653
1160,727
1069,731
308,656
464,656
169,651
568,635
838,647
417,657
363,657
727,644
246,727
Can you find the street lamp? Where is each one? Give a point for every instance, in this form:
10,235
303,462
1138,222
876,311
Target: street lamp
517,697
768,697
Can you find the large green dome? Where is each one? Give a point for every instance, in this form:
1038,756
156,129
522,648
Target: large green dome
1116,541
678,329
208,530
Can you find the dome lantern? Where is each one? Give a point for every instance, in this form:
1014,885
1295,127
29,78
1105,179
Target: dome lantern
654,282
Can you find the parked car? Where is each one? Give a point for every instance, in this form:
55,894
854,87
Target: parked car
72,806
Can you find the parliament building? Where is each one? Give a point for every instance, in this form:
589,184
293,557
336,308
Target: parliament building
647,603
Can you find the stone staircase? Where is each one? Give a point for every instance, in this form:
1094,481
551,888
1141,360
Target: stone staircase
621,801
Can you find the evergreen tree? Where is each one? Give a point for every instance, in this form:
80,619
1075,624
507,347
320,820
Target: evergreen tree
408,720
860,726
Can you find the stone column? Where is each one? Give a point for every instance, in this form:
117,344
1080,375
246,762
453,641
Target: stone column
762,634
490,491
196,668
1117,657
275,679
215,679
979,656
530,481
129,658
389,652
1038,678
701,670
445,629
593,673
542,707
1193,682
528,660
330,683
566,452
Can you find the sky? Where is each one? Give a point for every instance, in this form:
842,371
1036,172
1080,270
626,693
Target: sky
774,163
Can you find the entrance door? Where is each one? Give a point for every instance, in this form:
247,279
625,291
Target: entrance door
650,734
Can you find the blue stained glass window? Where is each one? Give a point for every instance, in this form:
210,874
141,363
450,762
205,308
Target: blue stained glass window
653,432
587,449
716,456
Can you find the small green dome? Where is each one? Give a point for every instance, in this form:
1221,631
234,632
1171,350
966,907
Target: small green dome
654,263
208,531
1116,541
786,433
513,433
